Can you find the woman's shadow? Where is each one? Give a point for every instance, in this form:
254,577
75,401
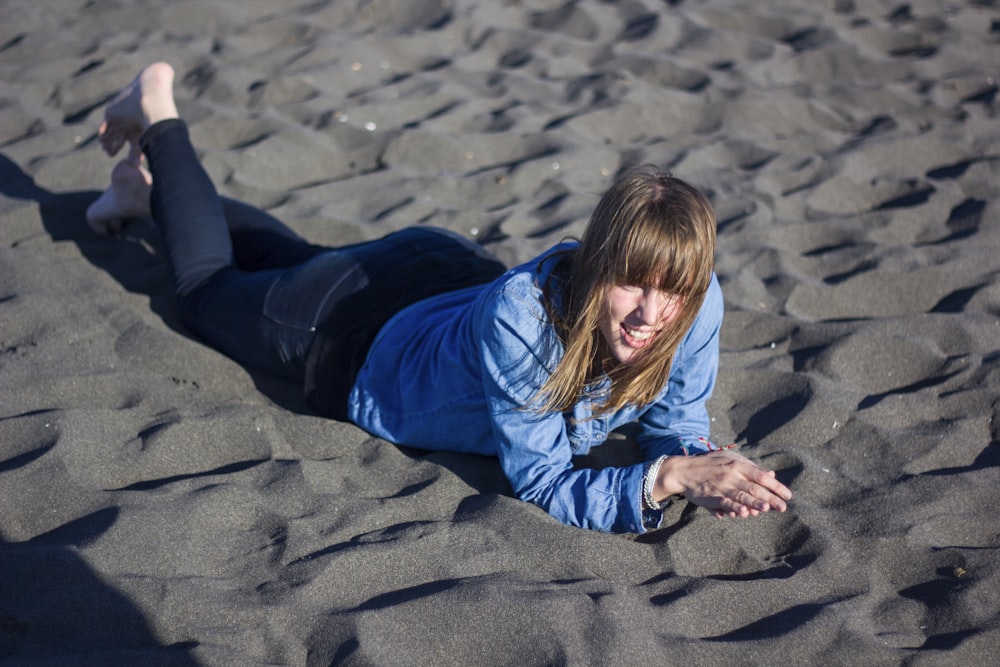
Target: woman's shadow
136,258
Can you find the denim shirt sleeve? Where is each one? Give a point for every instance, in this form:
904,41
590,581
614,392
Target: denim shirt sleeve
679,415
535,452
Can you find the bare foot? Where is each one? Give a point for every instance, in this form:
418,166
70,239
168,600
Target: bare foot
126,197
147,100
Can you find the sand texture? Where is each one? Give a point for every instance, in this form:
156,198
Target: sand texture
160,504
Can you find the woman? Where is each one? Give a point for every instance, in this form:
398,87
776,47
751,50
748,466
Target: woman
422,339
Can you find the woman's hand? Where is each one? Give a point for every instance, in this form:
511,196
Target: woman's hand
725,482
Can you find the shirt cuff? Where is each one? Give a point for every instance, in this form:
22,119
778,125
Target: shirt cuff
651,519
630,514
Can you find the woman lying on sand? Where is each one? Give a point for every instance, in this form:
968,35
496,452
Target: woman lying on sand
421,338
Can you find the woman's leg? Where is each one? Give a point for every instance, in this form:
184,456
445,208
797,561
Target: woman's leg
183,200
185,206
203,231
260,241
224,305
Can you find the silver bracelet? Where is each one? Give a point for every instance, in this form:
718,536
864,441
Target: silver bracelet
648,481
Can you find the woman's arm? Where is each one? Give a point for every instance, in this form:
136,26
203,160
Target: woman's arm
723,481
534,448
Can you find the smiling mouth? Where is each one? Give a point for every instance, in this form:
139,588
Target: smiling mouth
637,339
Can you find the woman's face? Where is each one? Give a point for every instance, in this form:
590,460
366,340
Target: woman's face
634,316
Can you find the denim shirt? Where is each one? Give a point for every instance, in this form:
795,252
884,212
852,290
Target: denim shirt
455,371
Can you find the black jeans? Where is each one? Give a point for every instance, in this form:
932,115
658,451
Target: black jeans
247,284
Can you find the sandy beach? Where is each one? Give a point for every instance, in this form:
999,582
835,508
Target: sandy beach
162,505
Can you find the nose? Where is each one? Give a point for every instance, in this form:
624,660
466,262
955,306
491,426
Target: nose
651,306
656,306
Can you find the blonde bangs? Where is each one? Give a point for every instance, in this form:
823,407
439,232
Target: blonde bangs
676,258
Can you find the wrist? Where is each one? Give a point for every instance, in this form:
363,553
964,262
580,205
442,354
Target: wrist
649,477
667,483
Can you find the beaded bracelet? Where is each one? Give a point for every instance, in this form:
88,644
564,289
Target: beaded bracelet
648,481
711,447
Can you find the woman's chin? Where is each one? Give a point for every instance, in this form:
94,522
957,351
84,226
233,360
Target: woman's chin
627,354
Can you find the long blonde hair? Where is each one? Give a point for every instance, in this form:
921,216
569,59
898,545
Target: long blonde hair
650,229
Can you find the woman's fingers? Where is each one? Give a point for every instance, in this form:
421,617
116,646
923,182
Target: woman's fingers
763,498
752,500
764,486
731,485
